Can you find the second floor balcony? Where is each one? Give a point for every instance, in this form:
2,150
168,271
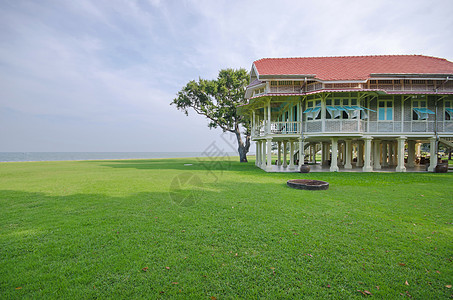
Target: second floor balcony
348,126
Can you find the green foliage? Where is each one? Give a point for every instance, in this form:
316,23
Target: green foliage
216,99
110,229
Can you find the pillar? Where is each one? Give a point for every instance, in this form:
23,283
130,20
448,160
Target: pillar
301,152
263,157
310,151
367,164
390,153
400,153
348,154
253,124
395,153
377,155
285,160
334,161
385,160
257,155
325,153
359,154
269,154
418,150
291,155
432,154
269,118
411,154
340,159
279,154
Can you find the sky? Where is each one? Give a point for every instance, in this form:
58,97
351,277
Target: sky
100,75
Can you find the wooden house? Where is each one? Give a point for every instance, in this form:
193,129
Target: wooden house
359,112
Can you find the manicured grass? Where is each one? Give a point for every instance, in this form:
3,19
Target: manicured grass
120,229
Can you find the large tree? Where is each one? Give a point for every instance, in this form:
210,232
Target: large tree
217,100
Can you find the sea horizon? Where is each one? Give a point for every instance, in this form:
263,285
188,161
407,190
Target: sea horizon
94,155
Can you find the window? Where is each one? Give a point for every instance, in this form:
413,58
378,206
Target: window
344,108
313,109
385,82
418,81
258,91
385,110
419,110
449,110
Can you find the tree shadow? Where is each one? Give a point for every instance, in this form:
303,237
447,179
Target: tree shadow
186,164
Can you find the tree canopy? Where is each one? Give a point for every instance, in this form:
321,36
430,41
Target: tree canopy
217,100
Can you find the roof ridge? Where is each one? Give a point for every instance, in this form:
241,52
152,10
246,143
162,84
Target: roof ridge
350,56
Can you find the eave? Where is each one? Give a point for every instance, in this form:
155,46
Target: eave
410,76
287,76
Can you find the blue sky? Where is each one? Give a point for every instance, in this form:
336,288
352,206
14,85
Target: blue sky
99,75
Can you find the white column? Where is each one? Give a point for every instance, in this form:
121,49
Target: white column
348,154
279,155
315,150
291,155
269,117
257,155
377,155
359,153
395,153
310,151
432,154
253,123
400,167
269,154
285,160
410,154
263,157
390,153
301,152
340,154
325,153
367,166
418,150
385,161
334,161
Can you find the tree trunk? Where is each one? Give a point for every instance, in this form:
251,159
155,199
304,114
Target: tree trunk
242,154
243,148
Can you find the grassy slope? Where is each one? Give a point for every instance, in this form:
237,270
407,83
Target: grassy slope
87,229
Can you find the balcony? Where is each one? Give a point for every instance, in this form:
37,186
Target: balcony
285,127
350,126
276,128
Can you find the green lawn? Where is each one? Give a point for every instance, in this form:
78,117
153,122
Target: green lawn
121,229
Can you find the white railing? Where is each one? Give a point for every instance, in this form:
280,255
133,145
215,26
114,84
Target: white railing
406,126
406,87
258,130
285,127
335,125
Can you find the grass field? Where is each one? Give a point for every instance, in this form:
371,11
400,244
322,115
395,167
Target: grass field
162,229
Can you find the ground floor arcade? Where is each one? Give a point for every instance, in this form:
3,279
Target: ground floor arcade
365,154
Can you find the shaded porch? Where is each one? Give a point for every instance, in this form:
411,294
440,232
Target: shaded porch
321,168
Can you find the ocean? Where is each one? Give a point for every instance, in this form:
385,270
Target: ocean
60,156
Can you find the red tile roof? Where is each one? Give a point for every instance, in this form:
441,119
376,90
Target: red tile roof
353,67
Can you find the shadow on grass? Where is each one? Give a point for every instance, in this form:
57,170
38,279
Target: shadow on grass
184,164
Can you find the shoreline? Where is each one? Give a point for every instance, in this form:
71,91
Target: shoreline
14,157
